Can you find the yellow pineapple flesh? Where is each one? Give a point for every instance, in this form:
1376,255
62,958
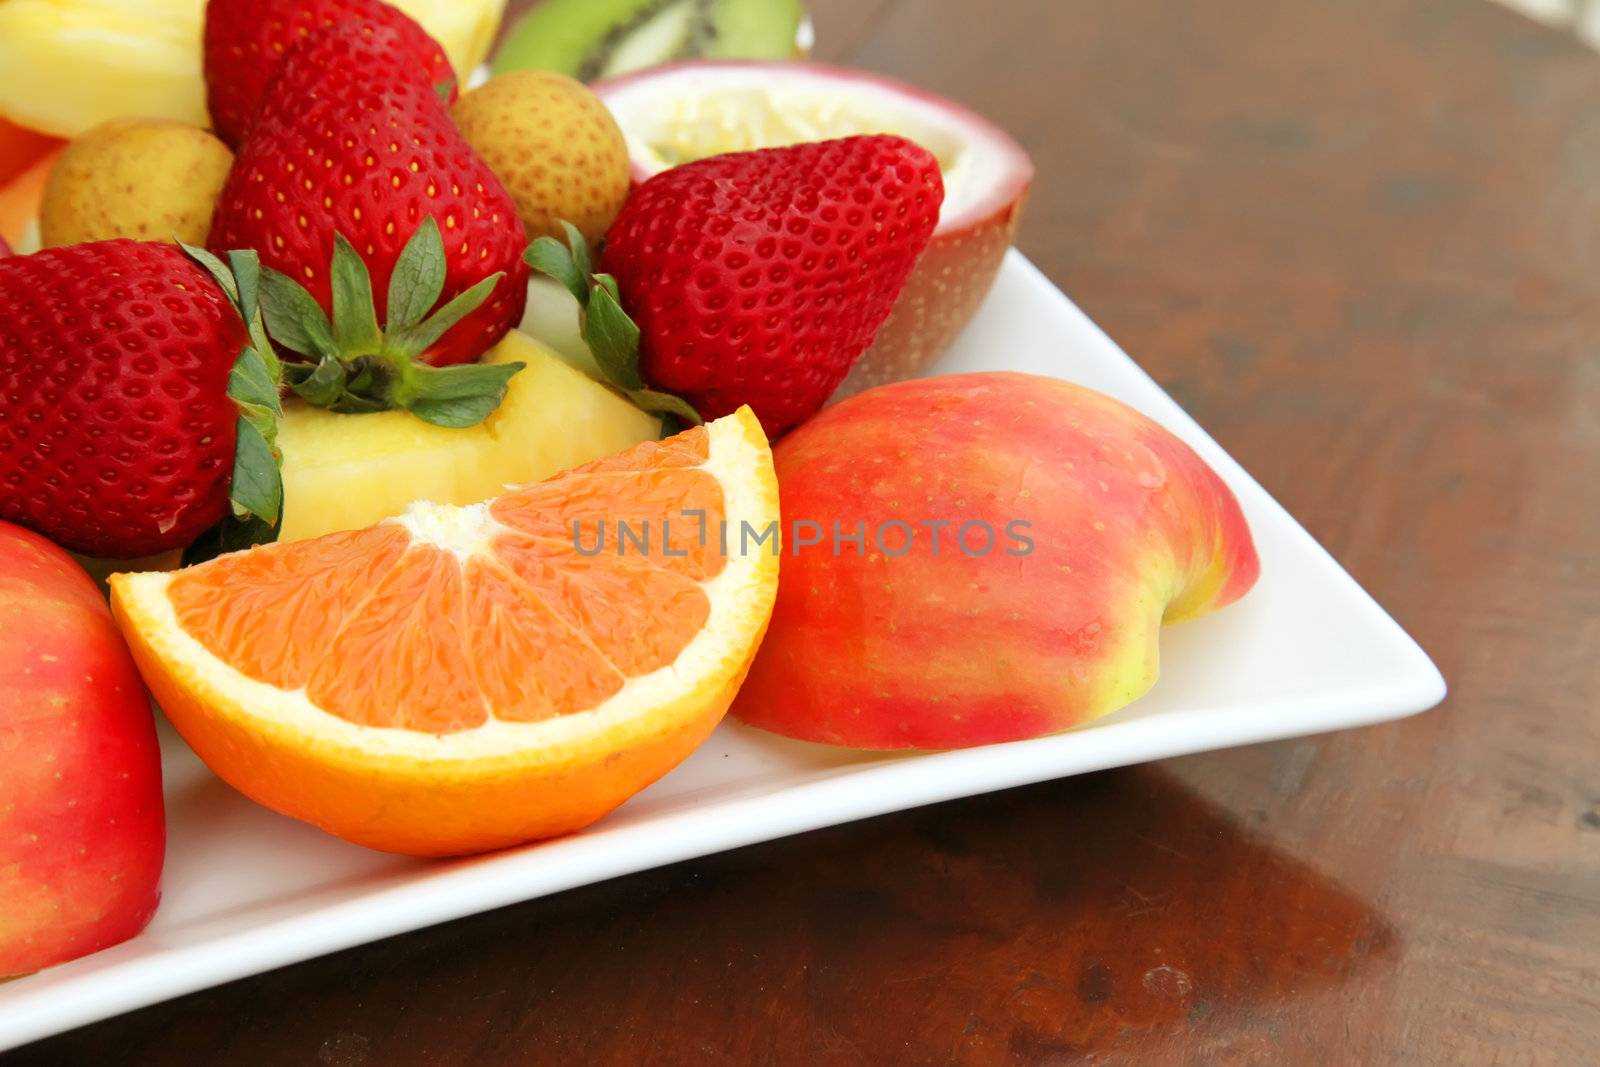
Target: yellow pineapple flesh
343,472
71,64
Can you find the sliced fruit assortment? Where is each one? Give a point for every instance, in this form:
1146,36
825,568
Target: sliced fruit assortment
148,179
591,39
81,832
352,140
71,66
677,114
345,471
478,678
443,653
1021,540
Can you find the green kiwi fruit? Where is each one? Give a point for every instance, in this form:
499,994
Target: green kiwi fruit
592,39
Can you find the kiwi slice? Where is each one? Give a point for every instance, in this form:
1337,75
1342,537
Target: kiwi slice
592,39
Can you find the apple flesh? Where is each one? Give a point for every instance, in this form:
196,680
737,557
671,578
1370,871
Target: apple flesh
82,834
1069,528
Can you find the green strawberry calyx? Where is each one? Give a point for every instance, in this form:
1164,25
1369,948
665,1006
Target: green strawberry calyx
611,335
354,366
351,364
256,489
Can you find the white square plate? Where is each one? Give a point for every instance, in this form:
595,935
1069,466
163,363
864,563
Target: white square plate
247,890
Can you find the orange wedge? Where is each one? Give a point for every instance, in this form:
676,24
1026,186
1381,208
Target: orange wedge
20,146
464,678
20,199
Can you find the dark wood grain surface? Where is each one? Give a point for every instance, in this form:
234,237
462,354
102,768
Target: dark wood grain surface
1360,241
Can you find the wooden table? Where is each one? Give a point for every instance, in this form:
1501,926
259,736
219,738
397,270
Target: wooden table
1360,241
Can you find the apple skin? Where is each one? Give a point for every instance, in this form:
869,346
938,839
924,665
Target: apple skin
82,832
1129,528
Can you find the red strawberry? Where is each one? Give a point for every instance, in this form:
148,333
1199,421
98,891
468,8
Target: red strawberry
350,139
5,249
759,277
116,429
244,39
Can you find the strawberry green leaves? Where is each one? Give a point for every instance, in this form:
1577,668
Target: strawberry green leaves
351,364
293,317
612,337
549,256
458,396
355,320
418,278
414,340
256,488
354,365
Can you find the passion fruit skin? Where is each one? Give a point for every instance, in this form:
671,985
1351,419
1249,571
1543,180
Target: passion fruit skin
962,259
943,293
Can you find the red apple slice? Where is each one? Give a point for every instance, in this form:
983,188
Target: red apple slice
686,111
82,835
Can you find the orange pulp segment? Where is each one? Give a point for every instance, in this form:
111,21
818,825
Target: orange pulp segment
542,633
20,198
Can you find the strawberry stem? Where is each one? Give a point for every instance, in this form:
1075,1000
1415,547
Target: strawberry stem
612,337
255,489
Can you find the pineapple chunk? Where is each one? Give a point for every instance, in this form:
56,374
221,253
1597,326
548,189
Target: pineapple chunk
71,64
464,28
343,472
